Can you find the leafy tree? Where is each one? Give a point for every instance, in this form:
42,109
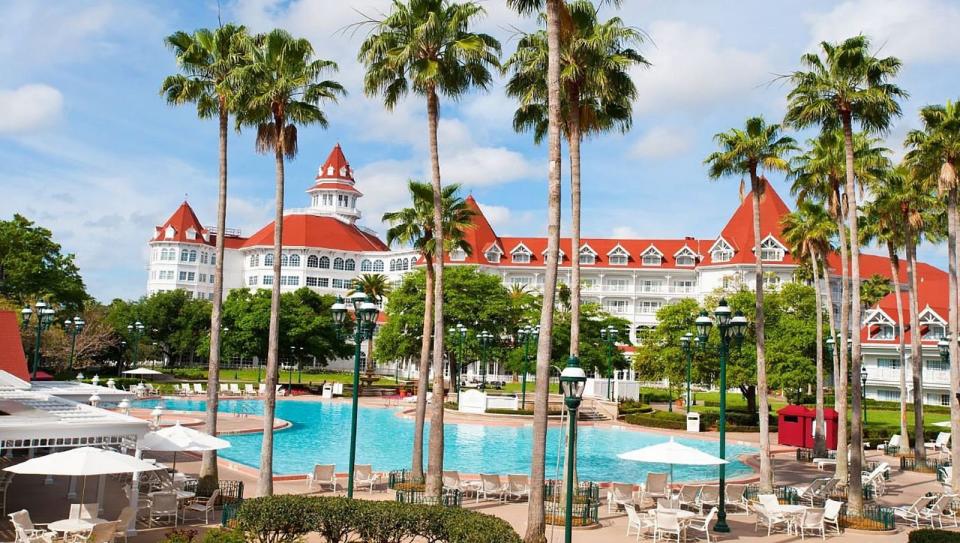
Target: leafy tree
208,60
32,267
280,86
660,356
873,289
376,286
173,320
97,340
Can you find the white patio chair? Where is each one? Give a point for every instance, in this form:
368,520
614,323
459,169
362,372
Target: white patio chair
666,524
280,391
224,388
363,475
809,492
83,510
143,502
619,495
248,390
655,486
164,505
823,493
518,486
205,506
911,513
812,521
323,475
639,522
668,504
770,502
28,532
105,532
491,485
943,438
876,478
198,388
235,389
688,496
736,496
934,512
892,446
703,524
262,389
709,497
770,519
831,514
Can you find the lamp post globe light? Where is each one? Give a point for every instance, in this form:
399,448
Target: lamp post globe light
44,315
527,334
73,328
686,342
572,382
731,328
943,347
486,340
365,312
459,333
863,391
136,330
609,336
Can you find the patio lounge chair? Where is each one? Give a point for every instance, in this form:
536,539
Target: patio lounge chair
619,495
809,492
235,389
709,497
655,487
822,494
769,502
666,524
943,438
27,531
248,390
639,522
280,391
911,513
164,505
935,512
105,532
812,521
518,486
688,496
491,485
770,519
892,446
831,514
202,505
363,475
736,496
877,478
262,389
323,474
198,388
224,388
703,524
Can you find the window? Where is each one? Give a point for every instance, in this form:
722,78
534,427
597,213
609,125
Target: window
588,258
888,363
945,400
521,280
722,252
193,255
588,283
338,263
934,331
184,255
520,255
289,280
312,281
323,282
888,394
203,278
183,276
295,261
324,262
684,286
651,285
652,257
413,262
268,259
615,306
378,265
366,265
252,281
343,200
254,261
493,256
204,258
686,259
284,261
937,365
211,278
166,274
403,264
771,281
339,283
267,279
648,307
350,264
618,257
393,265
617,284
730,282
458,255
213,259
771,251
884,331
313,261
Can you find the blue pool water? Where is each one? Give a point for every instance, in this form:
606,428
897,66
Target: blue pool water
321,435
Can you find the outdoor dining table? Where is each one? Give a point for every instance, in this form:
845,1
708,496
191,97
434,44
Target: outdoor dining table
794,514
181,494
683,517
74,525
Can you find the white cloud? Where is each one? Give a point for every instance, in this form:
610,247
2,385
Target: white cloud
919,30
497,215
693,67
477,166
625,232
28,108
662,142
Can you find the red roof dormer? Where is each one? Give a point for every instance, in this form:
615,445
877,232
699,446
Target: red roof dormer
336,166
182,226
738,232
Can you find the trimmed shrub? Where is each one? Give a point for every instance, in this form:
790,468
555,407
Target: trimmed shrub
278,519
336,519
933,536
180,536
657,419
525,412
222,535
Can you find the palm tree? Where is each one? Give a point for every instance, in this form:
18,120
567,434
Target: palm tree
376,286
935,150
848,85
819,175
208,60
597,96
280,87
808,231
428,45
413,226
881,223
757,147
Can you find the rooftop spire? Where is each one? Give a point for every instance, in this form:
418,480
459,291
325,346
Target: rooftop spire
336,166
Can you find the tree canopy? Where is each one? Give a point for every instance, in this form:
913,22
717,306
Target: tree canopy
32,266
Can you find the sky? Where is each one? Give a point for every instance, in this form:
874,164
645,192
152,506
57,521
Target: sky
90,150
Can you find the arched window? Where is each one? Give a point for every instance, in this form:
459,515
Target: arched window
254,261
193,256
313,261
393,265
366,265
349,265
284,261
378,265
268,259
413,262
184,255
338,263
295,261
324,262
404,264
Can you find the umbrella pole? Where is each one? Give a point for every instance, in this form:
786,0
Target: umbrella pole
174,462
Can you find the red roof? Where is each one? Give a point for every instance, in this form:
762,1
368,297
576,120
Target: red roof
933,294
182,221
336,166
335,186
318,231
12,359
739,229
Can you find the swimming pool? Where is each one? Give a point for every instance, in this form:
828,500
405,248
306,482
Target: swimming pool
321,435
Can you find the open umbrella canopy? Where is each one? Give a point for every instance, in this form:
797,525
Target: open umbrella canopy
143,371
671,452
178,438
82,461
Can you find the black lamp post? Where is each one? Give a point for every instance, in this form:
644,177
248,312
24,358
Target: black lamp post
943,346
731,330
459,332
528,334
136,330
863,392
685,341
609,337
572,382
73,328
366,320
44,319
486,340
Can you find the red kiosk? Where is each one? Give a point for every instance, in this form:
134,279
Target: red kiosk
795,426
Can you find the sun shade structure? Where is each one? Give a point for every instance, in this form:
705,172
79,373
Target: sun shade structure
143,371
672,453
82,461
178,438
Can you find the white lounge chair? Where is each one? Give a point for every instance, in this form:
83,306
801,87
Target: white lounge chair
809,492
768,518
363,475
28,532
518,486
491,485
688,496
224,388
877,478
280,391
831,514
639,522
248,390
198,388
943,438
655,486
709,497
203,505
703,524
235,389
323,475
892,446
262,389
812,521
619,495
935,512
911,513
736,496
104,532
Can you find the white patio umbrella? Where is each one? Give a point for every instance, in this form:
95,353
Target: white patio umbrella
141,371
671,452
179,438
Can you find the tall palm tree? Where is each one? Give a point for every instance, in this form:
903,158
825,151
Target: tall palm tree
808,231
597,96
747,152
413,226
377,287
882,223
428,45
935,150
819,175
282,86
208,60
848,85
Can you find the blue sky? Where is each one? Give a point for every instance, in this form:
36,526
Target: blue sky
89,149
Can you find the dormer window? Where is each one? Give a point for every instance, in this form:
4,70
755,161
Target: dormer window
458,255
191,233
170,233
771,250
885,331
618,256
685,257
493,255
521,255
652,257
587,255
721,252
329,170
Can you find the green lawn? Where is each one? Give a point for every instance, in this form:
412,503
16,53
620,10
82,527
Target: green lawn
250,376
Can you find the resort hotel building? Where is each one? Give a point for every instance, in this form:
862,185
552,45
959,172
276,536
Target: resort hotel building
325,249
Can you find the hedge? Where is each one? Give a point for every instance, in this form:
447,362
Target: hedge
288,518
676,420
928,535
526,412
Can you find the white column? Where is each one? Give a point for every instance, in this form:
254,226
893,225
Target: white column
135,493
100,487
71,488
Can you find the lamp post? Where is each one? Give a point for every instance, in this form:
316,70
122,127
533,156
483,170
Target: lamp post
572,382
73,329
731,329
459,332
486,340
365,312
687,350
943,346
609,337
136,330
527,334
44,319
863,392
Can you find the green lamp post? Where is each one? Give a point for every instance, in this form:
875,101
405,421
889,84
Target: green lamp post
486,340
366,320
44,320
527,334
685,344
943,347
136,331
609,337
73,328
731,330
459,332
863,392
572,382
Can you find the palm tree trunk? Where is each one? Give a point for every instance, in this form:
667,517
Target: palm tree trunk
856,427
916,353
265,478
536,527
901,347
208,467
423,383
840,385
435,454
766,470
832,323
573,126
819,433
953,317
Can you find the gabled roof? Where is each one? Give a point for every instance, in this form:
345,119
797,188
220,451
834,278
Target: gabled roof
336,166
652,248
480,237
617,248
739,229
521,246
316,231
685,249
182,220
12,359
